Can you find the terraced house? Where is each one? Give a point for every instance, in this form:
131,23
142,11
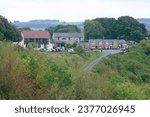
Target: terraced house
68,38
105,43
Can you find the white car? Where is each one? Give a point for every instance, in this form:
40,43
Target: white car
70,50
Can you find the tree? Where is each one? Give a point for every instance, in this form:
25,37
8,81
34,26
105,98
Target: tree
109,26
130,29
8,31
50,30
63,29
12,33
2,28
124,27
80,51
24,28
93,30
127,91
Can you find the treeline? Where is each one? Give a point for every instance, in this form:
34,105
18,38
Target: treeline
8,31
124,27
63,29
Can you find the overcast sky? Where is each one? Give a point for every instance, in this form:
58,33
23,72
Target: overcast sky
72,10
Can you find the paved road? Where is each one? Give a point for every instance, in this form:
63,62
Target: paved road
105,53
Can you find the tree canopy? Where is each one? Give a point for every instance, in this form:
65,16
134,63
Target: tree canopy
8,31
109,25
93,29
124,27
63,29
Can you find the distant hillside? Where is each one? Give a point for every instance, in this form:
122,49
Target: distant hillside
43,24
146,21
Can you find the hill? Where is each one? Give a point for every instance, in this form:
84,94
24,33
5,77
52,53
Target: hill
128,74
145,21
28,74
43,24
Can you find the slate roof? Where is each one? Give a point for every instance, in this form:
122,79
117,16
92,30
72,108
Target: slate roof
119,40
67,35
36,34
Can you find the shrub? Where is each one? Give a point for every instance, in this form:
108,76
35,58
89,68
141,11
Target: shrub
80,51
127,91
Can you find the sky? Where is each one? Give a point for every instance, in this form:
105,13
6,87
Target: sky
72,10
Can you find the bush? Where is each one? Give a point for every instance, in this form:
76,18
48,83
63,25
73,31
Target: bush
26,74
146,46
80,51
145,77
127,91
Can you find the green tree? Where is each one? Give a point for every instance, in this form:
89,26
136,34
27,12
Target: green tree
9,31
130,29
124,27
80,51
63,29
109,26
127,91
24,28
93,30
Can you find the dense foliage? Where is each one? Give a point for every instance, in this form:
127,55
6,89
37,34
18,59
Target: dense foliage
122,76
63,29
24,28
8,31
28,74
124,27
93,29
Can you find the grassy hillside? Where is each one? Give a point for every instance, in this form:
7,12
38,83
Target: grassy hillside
122,76
28,74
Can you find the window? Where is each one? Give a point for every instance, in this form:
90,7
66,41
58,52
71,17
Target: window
63,38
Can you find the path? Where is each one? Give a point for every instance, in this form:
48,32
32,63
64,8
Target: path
105,53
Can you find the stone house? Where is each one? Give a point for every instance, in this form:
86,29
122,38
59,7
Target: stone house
105,43
67,38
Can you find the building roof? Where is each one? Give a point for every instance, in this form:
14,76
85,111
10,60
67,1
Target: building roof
118,40
36,34
67,35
